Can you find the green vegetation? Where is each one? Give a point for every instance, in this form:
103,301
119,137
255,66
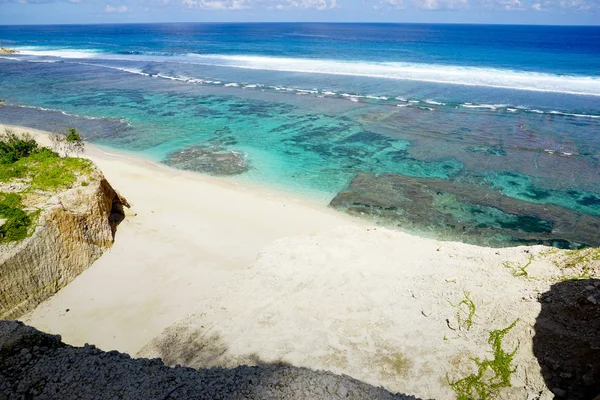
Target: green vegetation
576,258
583,260
22,158
14,147
492,375
518,270
16,221
28,167
576,264
465,312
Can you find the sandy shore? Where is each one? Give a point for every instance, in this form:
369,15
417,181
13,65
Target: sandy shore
236,274
191,234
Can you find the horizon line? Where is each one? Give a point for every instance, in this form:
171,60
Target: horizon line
307,22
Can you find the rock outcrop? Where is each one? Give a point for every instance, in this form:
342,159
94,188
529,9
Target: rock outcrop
73,229
567,338
36,365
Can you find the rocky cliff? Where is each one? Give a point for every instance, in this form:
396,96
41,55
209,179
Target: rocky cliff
74,227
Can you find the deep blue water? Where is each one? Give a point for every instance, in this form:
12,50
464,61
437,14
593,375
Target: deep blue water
307,106
556,50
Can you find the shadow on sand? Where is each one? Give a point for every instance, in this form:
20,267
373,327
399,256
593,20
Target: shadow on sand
198,348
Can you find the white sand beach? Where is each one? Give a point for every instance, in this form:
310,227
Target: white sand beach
210,272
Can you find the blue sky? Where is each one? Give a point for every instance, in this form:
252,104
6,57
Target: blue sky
564,12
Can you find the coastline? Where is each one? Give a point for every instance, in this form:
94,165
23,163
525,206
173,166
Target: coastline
271,277
191,233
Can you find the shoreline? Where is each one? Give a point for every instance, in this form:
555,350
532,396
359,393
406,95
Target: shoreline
205,272
202,229
99,153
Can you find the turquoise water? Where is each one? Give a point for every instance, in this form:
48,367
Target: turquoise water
530,132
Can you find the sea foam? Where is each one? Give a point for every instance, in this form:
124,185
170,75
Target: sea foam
471,76
435,73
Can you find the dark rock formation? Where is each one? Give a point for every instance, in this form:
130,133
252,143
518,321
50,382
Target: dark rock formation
567,339
458,211
208,159
35,365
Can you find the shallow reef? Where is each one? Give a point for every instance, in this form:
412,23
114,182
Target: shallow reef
208,159
469,213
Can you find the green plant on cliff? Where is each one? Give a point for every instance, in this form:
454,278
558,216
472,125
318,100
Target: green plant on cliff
53,172
13,147
492,374
39,167
15,222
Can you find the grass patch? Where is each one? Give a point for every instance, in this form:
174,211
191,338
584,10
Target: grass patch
31,167
17,221
22,158
492,374
518,270
465,312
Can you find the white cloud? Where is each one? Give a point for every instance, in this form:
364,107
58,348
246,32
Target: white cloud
116,9
441,4
512,5
506,5
541,5
217,4
397,4
245,4
306,4
580,5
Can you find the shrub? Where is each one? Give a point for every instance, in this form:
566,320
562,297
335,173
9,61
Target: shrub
13,147
45,169
17,222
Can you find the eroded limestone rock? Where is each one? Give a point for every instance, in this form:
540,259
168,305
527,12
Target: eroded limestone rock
73,229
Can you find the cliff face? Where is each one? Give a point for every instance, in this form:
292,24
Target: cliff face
74,228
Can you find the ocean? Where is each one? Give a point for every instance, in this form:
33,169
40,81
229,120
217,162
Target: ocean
467,110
